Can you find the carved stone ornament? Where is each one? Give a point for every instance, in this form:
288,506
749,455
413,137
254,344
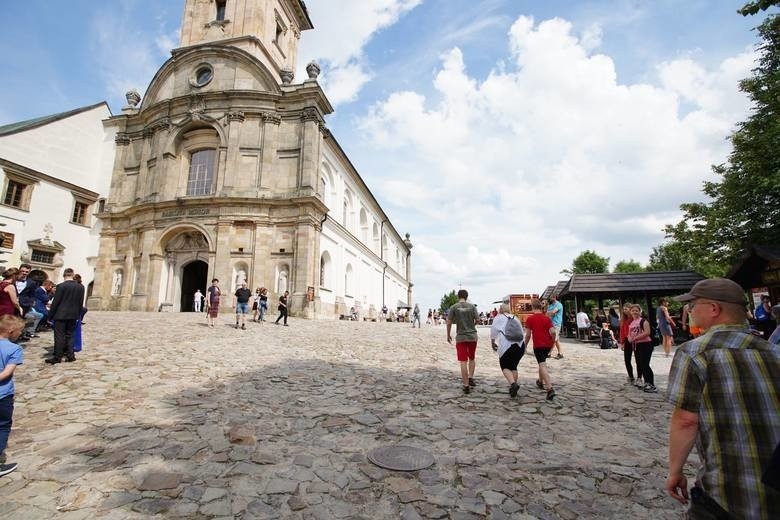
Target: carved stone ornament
310,114
236,116
133,98
122,139
191,241
48,229
287,75
313,70
274,119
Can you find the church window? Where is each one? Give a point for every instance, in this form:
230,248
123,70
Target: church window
6,240
42,257
325,280
348,281
79,215
15,194
221,5
201,176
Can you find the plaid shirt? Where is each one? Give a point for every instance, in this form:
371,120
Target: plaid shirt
731,379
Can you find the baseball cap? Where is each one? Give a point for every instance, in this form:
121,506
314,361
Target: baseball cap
718,289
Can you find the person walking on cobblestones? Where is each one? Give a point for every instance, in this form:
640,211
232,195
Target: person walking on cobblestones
510,349
555,312
241,303
416,316
725,387
639,336
540,330
65,311
197,300
10,357
465,316
283,308
627,347
212,301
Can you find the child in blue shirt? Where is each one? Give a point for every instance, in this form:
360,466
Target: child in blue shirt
11,328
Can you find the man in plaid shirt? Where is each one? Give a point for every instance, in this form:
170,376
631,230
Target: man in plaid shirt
725,387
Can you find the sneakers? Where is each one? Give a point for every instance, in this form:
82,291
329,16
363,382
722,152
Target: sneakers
471,382
466,389
539,384
630,380
559,356
513,390
550,394
236,324
639,383
5,469
650,389
243,326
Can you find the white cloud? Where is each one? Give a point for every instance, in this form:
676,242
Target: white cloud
547,156
343,28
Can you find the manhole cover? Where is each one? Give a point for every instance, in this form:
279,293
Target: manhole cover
400,458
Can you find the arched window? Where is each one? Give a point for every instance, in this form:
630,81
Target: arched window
376,237
325,270
348,280
364,226
201,177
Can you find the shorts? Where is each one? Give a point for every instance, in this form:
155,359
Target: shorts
542,354
254,306
511,357
242,308
557,331
466,350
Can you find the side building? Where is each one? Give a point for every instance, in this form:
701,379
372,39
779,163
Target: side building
55,173
226,170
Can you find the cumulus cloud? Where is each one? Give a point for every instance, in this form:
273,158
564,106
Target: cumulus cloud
549,155
343,28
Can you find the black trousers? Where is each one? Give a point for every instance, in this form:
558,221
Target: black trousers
644,351
282,313
63,338
628,350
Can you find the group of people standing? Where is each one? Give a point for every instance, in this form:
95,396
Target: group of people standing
241,303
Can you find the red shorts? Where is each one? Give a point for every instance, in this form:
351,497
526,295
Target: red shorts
466,350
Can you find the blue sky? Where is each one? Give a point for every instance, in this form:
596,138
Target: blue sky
505,135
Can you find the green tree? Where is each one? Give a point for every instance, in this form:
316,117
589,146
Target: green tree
691,255
588,262
628,266
744,202
448,300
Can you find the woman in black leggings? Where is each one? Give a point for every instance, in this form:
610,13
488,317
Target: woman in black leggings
639,337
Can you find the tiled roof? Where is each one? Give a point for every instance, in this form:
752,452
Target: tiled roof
652,281
21,126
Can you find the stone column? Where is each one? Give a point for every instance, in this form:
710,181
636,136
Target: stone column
305,265
154,279
222,269
101,290
232,154
308,175
409,284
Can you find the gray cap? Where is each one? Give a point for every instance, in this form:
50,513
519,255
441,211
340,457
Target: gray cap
718,289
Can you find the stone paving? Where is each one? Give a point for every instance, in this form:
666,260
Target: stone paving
162,415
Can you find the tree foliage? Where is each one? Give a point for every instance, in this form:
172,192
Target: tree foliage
448,300
628,266
588,262
744,201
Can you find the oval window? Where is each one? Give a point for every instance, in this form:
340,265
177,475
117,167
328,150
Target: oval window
203,75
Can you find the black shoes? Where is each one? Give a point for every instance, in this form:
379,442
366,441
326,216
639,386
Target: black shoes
539,384
5,469
513,390
243,326
471,382
550,394
70,359
466,389
53,361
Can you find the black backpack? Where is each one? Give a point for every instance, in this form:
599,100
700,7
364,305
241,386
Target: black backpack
655,334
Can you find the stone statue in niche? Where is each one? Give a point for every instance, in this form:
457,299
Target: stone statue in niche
116,283
282,283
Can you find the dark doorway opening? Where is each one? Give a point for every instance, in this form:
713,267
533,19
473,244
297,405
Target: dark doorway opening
193,277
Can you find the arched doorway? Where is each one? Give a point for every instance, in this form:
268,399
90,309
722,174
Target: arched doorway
194,276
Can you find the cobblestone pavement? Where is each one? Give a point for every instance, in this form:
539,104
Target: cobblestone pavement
162,415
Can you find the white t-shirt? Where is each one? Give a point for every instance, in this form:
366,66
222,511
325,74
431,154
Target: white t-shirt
497,333
582,320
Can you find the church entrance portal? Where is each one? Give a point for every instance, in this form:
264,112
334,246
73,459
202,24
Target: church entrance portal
194,277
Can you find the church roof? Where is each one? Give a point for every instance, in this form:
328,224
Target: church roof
21,126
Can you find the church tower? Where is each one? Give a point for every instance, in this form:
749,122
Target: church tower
269,30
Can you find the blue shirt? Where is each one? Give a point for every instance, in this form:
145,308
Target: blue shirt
10,354
556,318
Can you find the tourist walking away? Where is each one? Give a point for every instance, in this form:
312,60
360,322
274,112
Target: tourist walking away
241,303
506,338
262,304
583,325
429,320
725,389
665,324
197,300
555,312
775,337
9,301
25,290
763,314
65,311
10,357
255,303
614,321
627,347
640,337
416,316
541,333
212,302
282,308
607,340
465,316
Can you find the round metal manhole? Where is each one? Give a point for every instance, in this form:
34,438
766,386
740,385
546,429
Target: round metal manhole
401,458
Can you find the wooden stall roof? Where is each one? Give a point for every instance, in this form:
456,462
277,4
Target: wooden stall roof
660,282
746,271
559,287
547,292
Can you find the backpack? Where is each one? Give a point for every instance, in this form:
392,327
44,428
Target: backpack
655,334
513,330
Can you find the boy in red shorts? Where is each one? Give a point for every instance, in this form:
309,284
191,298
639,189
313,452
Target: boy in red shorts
539,327
465,317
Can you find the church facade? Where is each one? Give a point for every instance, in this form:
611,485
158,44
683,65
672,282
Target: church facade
226,169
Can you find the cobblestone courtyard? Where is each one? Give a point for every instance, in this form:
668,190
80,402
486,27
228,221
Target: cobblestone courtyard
162,415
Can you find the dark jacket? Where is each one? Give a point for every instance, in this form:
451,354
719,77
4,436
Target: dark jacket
68,300
41,300
27,296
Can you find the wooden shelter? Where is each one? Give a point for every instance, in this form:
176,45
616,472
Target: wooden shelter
758,271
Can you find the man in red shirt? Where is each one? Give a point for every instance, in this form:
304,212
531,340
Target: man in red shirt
539,326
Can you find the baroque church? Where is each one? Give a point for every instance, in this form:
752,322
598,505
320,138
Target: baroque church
225,169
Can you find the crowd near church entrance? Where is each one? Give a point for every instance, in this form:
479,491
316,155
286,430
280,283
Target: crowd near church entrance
194,276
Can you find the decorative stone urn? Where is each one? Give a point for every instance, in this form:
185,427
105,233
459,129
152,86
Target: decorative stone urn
287,75
133,98
313,70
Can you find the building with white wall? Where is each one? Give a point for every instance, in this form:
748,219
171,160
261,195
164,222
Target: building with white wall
55,173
